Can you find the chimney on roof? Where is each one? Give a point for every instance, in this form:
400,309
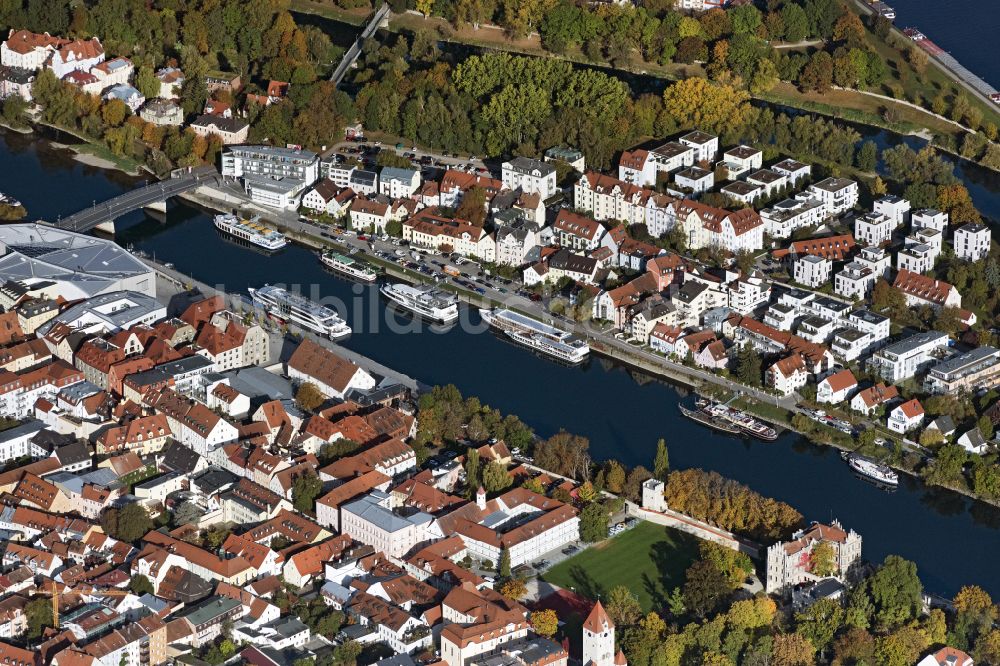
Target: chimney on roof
481,498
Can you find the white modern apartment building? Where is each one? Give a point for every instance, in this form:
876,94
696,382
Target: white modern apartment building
530,175
904,359
873,229
398,183
812,270
838,195
794,170
705,145
895,208
784,217
972,242
272,176
929,218
854,281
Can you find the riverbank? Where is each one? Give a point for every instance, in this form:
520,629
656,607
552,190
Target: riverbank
852,105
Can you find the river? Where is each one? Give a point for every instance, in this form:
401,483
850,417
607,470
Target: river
622,412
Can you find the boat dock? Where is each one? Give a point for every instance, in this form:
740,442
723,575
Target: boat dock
176,289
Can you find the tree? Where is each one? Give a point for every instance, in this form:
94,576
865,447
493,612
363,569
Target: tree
748,365
347,653
955,200
513,588
623,606
633,484
593,523
305,489
733,564
140,585
130,523
39,616
147,83
820,622
614,477
496,477
661,463
503,566
704,589
824,559
791,650
586,492
309,397
896,591
564,454
545,622
867,156
817,75
886,298
796,22
113,112
902,647
695,102
472,469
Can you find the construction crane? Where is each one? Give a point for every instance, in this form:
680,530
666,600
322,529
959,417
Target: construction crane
55,599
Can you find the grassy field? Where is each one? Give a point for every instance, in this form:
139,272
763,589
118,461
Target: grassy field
649,559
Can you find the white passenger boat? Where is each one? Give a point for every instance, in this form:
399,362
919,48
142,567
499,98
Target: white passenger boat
348,266
299,310
872,469
252,231
572,351
533,333
434,304
8,200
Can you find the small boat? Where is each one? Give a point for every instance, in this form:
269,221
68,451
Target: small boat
714,423
872,469
740,419
348,266
7,200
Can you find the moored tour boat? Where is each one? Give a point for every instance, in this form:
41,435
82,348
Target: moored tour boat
872,469
252,231
299,310
349,266
434,304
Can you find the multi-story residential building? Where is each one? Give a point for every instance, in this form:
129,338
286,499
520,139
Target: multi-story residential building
929,218
695,179
741,160
916,258
745,193
398,183
529,175
895,208
784,217
972,371
608,198
749,292
787,375
706,226
789,564
333,375
922,290
904,359
28,50
972,242
430,229
515,242
77,55
836,388
363,182
705,145
576,231
793,170
162,112
875,259
865,332
812,270
230,130
770,181
272,175
870,399
905,417
838,195
854,281
571,156
873,229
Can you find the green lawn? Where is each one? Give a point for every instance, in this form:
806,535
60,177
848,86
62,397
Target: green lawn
649,559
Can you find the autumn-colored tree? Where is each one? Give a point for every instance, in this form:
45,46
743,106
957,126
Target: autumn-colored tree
902,647
113,112
824,559
623,606
545,622
954,199
698,103
309,397
748,614
513,588
586,492
792,650
849,28
974,599
614,477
